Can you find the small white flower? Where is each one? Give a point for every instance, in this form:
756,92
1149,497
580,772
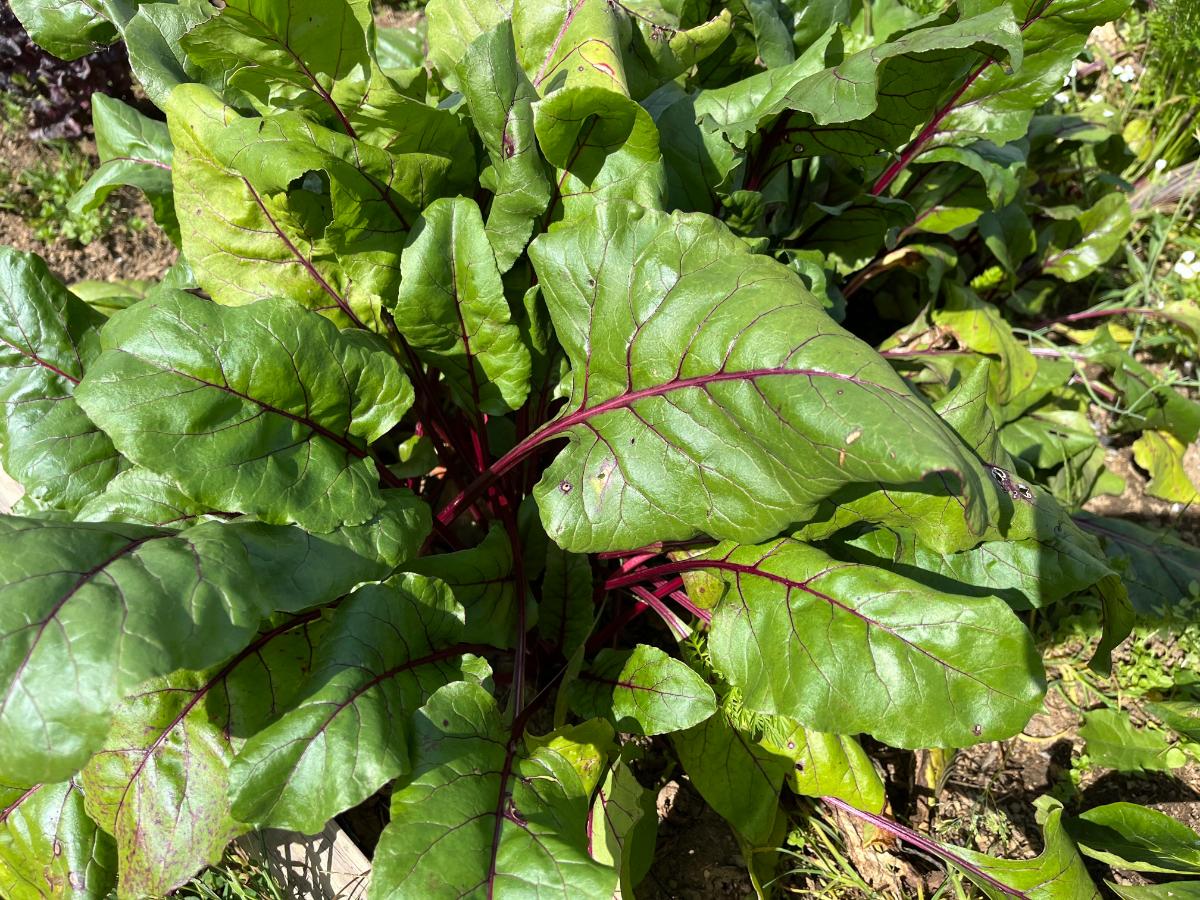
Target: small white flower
1127,76
1188,256
1118,70
1184,271
1159,165
1095,98
1062,96
1108,114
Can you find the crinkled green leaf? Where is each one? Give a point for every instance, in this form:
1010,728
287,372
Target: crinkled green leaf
68,29
134,150
1058,873
737,776
483,582
282,207
480,814
1160,569
161,782
1102,228
643,691
850,648
48,340
454,25
264,409
500,98
1113,741
1161,454
452,311
884,91
285,54
1130,836
141,497
49,848
827,765
999,102
684,344
387,649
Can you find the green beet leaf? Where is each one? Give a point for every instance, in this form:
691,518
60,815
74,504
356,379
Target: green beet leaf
50,848
682,344
826,765
451,309
1113,741
643,691
623,823
265,409
850,648
1129,836
481,814
161,783
48,340
388,647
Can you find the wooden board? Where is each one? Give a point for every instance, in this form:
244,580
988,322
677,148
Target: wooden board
327,866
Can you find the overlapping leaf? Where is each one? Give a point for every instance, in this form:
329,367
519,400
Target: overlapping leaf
452,311
387,649
265,409
827,765
683,345
1129,836
160,785
48,339
50,848
481,814
849,648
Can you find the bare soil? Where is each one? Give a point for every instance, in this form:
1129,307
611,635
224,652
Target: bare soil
123,253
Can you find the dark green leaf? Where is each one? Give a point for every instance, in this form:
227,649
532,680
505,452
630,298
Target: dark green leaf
850,648
480,814
1160,569
48,339
265,409
1129,836
67,28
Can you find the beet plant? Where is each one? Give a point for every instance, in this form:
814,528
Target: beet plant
516,398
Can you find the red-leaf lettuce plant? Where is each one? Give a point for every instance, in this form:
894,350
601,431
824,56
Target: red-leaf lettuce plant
475,355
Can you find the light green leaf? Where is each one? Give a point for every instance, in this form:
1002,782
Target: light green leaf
1058,874
68,29
482,581
282,207
1181,716
454,25
387,649
49,848
683,344
1174,890
997,104
738,777
1111,740
623,826
500,99
141,497
643,691
481,814
285,54
850,648
264,409
134,150
452,311
1129,836
161,782
923,61
827,765
153,38
48,339
1161,454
